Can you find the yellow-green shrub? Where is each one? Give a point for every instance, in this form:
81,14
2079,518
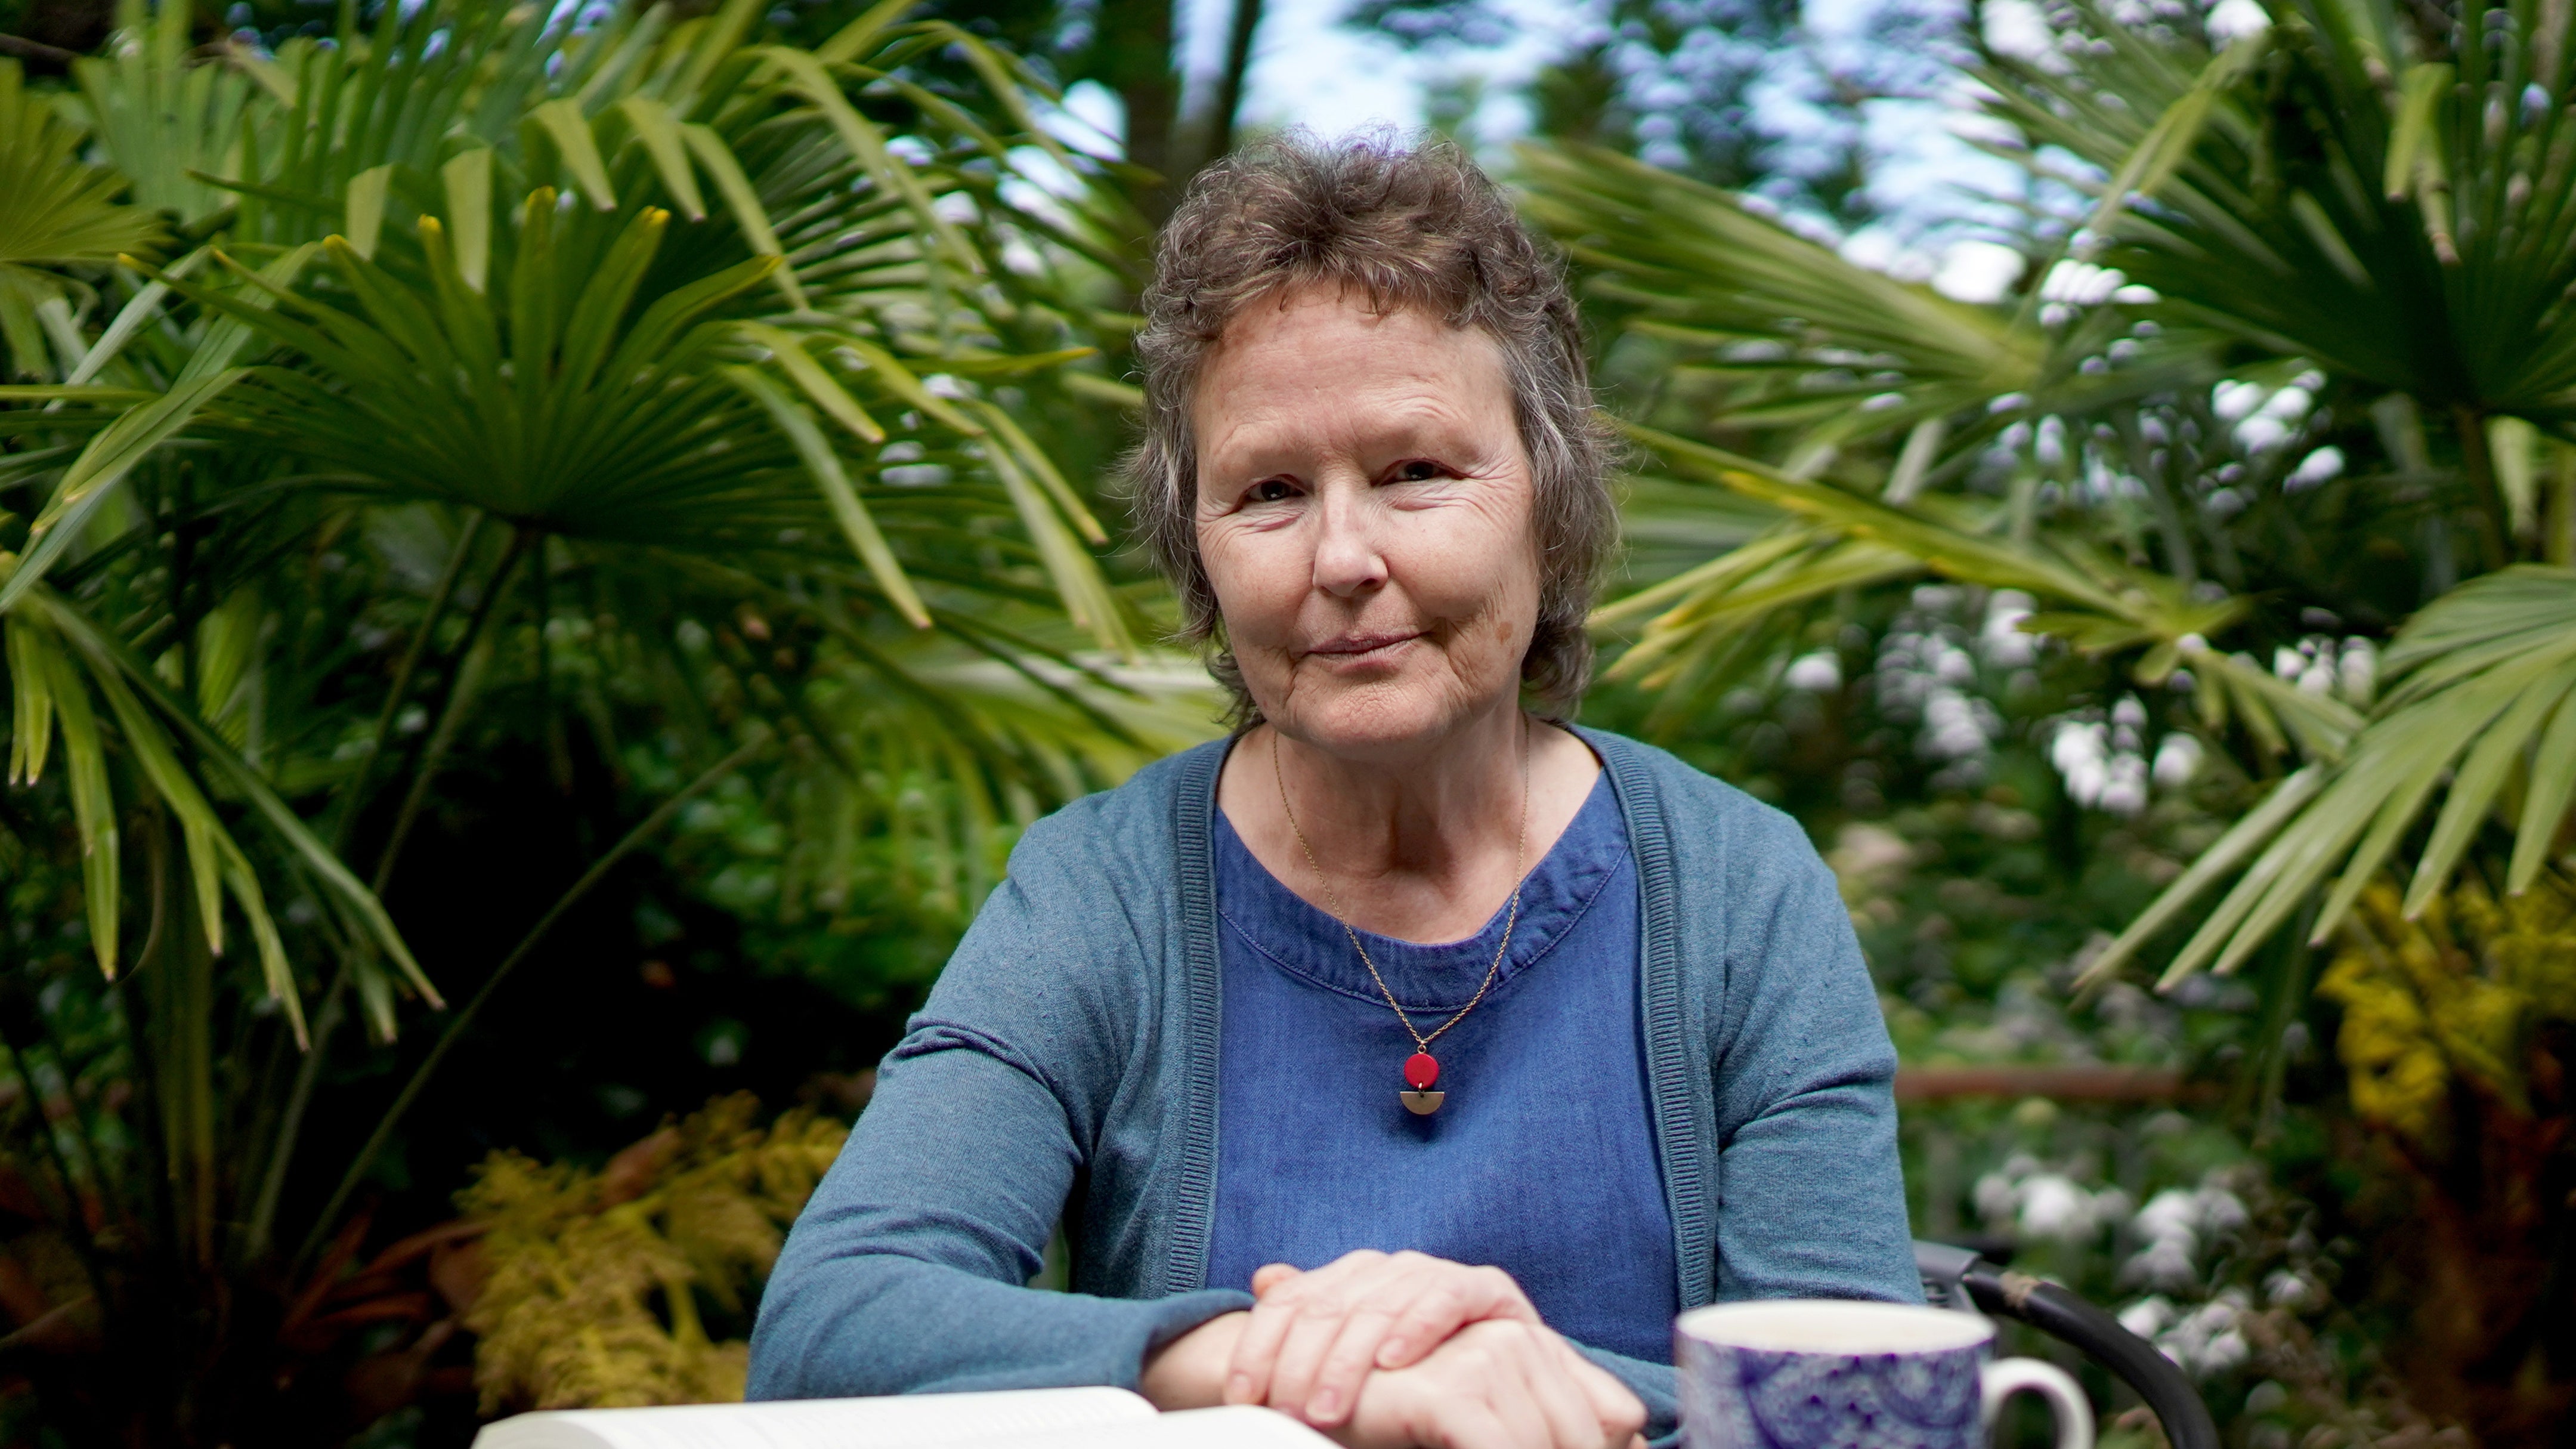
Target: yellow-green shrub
594,1275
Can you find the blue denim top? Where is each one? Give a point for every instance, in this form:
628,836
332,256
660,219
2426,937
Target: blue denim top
1540,1159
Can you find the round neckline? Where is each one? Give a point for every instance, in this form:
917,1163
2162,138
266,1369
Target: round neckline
1309,943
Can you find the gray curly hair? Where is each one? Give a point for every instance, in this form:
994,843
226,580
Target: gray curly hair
1421,227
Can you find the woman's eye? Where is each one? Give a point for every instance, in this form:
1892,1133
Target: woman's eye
1270,490
1419,470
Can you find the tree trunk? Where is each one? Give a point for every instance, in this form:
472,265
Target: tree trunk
1133,56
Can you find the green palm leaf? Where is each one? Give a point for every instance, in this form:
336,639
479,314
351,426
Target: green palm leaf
2395,216
685,387
2116,607
1828,353
175,129
2482,683
60,211
57,660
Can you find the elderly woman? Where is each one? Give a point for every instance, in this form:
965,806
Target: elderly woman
1293,1028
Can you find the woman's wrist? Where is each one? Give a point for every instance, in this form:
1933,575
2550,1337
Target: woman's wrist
1189,1371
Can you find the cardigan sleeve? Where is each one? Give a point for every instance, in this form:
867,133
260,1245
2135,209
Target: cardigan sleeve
907,1271
1811,1196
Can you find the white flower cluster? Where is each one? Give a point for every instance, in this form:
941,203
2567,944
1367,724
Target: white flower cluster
2203,1341
2000,639
2175,1224
1817,673
2032,1201
2347,669
2104,761
1927,669
2315,470
2263,418
2072,285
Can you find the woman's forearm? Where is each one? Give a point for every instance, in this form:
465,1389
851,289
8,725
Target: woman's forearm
1189,1372
906,1271
884,1324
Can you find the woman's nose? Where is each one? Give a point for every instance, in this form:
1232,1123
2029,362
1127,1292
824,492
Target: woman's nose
1348,561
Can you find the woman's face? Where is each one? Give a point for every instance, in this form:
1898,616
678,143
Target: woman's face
1364,516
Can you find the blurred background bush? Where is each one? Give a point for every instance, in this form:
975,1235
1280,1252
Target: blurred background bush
547,554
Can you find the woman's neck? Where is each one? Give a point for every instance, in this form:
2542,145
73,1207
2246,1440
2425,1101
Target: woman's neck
1423,847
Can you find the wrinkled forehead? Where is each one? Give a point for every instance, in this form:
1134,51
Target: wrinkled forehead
1325,353
1292,293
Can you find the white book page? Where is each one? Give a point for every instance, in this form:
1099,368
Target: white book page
1239,1427
916,1421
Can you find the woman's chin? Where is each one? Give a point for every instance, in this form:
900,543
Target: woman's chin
1388,722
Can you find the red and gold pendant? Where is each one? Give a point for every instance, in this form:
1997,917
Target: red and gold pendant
1421,1070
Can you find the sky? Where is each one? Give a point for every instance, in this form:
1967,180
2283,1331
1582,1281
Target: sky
1308,70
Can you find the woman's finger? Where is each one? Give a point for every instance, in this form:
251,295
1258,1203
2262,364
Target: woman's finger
1247,1372
1528,1391
1558,1398
1465,1423
1295,1322
1615,1406
1346,1364
1315,1336
1450,1301
1296,1370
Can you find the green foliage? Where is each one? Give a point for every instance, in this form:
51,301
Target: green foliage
61,212
2383,193
628,388
2480,678
2265,453
2070,443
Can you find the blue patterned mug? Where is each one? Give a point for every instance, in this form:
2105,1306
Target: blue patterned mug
1815,1373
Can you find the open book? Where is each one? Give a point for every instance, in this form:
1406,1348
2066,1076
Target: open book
1034,1418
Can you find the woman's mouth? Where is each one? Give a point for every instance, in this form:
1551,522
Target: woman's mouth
1357,647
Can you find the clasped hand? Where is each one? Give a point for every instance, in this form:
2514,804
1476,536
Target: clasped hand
1401,1351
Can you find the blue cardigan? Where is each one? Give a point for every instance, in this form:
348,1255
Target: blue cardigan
1064,1072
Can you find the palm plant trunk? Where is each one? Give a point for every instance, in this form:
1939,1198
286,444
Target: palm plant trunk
353,790
2486,510
365,1159
453,700
455,697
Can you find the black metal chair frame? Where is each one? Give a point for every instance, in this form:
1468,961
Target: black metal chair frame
1957,1278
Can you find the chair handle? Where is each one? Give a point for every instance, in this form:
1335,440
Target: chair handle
1958,1278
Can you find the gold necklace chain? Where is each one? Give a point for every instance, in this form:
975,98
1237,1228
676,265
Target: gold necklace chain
1333,900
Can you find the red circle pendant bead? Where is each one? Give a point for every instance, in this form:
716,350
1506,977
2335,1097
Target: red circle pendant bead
1421,1070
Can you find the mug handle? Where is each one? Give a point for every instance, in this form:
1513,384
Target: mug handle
2009,1376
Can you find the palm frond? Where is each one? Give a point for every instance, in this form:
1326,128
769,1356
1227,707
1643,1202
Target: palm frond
61,212
176,130
711,318
2480,703
58,660
1829,353
2115,607
2393,213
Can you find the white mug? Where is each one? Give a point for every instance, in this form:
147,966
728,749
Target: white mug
1821,1373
